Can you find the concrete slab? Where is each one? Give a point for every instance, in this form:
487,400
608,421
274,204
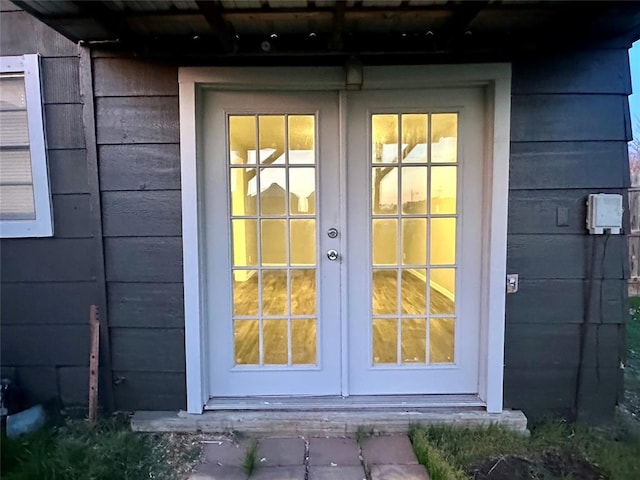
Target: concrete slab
279,473
323,422
216,472
279,452
337,473
388,450
225,453
398,472
331,452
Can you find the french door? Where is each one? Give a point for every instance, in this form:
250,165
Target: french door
343,271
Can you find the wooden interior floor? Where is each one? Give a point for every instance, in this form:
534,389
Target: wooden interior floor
412,331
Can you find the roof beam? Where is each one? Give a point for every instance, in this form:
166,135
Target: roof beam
222,30
108,20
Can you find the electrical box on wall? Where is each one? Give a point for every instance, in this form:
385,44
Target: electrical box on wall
604,213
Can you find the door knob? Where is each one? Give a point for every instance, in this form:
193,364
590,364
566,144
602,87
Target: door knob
332,232
332,255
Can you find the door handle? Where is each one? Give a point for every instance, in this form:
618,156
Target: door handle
333,255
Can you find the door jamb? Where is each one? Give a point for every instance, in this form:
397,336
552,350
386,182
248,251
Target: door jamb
495,78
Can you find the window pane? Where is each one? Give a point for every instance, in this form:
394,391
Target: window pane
303,242
274,292
243,191
273,191
246,338
245,292
414,190
414,241
441,339
385,241
384,133
385,291
385,341
245,242
271,128
414,138
414,340
443,189
273,242
302,185
302,139
384,190
414,291
303,342
242,139
303,292
443,290
444,137
12,93
276,342
443,241
16,202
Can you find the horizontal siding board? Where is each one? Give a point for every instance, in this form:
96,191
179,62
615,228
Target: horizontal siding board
47,260
148,349
46,303
120,77
126,120
20,33
536,211
140,167
72,216
68,171
146,305
142,213
544,118
564,302
45,345
598,394
539,388
558,346
150,390
593,71
144,259
547,165
566,256
60,80
37,384
64,126
74,385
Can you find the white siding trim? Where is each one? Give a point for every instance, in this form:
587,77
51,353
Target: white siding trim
42,225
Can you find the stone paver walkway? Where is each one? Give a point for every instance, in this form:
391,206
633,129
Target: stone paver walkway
316,458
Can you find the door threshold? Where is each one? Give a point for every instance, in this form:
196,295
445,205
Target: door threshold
354,402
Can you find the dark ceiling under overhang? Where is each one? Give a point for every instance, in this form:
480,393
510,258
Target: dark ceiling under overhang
231,31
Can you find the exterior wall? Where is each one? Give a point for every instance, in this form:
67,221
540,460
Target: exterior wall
48,284
139,163
570,124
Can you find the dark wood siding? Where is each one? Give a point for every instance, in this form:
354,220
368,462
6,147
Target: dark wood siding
568,139
139,164
48,284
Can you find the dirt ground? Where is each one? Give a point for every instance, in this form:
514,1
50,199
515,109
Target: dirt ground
544,465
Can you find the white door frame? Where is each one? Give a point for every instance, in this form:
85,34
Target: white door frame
496,80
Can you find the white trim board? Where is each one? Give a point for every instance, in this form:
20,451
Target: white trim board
496,80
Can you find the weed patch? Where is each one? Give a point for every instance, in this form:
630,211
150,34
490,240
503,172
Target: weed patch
110,450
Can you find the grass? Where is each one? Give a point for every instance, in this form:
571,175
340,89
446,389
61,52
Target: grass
110,450
249,463
447,452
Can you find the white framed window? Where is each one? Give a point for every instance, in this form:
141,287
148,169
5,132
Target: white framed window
25,196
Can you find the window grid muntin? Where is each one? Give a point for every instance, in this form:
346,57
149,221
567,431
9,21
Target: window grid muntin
260,267
399,215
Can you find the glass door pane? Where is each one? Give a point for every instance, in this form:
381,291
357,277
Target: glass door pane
272,166
414,220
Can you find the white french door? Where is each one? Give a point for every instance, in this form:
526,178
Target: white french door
322,285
